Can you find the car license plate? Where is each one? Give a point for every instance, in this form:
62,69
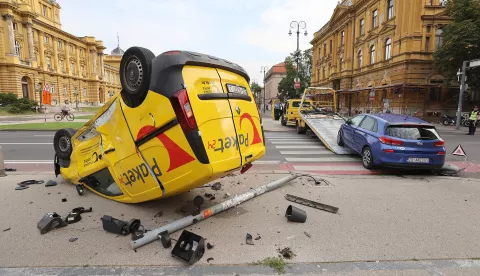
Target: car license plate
418,160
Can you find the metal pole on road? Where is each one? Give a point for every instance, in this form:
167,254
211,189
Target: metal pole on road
2,165
462,90
263,70
152,235
298,25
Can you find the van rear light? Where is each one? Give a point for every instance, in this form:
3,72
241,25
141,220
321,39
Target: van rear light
390,141
183,110
439,144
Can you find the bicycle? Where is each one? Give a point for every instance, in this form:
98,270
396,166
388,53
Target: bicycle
59,116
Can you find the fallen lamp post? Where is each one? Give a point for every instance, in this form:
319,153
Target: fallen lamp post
154,234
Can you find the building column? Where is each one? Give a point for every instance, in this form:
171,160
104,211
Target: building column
102,70
41,49
31,51
94,56
11,34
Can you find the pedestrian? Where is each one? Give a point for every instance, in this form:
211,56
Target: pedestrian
473,119
65,108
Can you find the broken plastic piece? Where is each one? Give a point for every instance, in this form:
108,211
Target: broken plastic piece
30,182
64,200
72,218
307,234
165,239
312,204
246,168
197,202
50,221
217,186
189,247
210,246
121,227
72,239
80,189
295,214
249,240
210,259
51,183
21,187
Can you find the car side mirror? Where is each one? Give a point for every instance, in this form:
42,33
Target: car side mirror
349,122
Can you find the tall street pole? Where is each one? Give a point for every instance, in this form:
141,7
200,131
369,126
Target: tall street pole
264,70
463,86
298,25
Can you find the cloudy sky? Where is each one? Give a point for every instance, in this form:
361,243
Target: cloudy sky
251,33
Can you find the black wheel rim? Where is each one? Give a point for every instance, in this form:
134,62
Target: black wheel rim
64,144
133,73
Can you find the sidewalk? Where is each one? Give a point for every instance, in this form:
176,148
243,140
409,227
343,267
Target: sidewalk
379,219
269,125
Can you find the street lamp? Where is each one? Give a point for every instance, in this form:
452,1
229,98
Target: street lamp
299,26
264,70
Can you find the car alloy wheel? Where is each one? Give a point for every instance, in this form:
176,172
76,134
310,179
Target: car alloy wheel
367,159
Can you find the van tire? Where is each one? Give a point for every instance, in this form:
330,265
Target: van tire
283,121
62,142
301,130
135,74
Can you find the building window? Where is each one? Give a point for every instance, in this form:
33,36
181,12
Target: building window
15,26
318,74
342,39
388,49
82,69
48,60
85,92
44,10
372,54
341,64
65,90
331,46
62,65
59,44
45,39
325,49
52,88
81,52
362,26
25,87
439,34
72,66
427,44
429,29
18,49
360,58
324,74
374,19
389,9
71,48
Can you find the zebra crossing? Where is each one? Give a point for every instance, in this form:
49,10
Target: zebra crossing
307,153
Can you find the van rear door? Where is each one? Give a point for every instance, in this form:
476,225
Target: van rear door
213,115
245,116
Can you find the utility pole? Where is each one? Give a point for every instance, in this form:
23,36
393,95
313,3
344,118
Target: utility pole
299,25
264,70
463,86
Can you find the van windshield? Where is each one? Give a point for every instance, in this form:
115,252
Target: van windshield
408,132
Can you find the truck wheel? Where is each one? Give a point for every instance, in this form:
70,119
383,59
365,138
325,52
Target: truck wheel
283,121
62,142
301,130
135,71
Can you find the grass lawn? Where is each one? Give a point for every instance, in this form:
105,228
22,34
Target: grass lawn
43,126
85,117
4,112
90,109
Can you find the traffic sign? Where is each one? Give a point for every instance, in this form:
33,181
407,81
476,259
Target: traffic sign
297,79
297,85
372,96
459,151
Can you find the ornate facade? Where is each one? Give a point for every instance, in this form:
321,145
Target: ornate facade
35,51
378,54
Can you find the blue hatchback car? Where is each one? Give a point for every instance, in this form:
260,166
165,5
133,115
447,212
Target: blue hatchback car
393,140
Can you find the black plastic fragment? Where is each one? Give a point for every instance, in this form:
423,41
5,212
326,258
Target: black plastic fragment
189,247
121,227
165,239
249,239
49,222
51,183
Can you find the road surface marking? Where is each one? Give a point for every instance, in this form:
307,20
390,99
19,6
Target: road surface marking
290,139
296,142
267,162
26,143
331,168
322,159
301,147
312,152
53,135
28,161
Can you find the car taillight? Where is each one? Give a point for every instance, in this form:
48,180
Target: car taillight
439,144
442,153
388,150
183,110
390,141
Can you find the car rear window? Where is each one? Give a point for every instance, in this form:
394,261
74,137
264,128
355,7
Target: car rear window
413,132
297,104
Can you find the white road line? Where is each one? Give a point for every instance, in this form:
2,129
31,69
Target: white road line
26,143
296,143
311,152
53,135
322,159
318,146
267,162
28,161
331,168
292,139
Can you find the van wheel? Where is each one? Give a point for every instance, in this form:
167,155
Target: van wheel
135,71
301,130
62,142
283,121
367,158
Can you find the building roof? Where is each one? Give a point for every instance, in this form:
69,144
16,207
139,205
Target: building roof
277,69
117,51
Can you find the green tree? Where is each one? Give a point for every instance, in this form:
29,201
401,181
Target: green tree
256,90
286,87
461,40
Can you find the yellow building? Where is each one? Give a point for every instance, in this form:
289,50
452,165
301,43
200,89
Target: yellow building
378,54
36,53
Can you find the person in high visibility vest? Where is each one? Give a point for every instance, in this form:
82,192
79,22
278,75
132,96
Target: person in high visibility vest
474,116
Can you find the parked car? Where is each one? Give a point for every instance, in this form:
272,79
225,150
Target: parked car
182,119
393,140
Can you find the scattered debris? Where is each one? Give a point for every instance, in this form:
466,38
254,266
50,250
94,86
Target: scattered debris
21,187
312,204
49,222
72,239
227,195
8,229
189,247
210,246
217,186
75,214
258,237
197,202
307,234
287,253
64,200
249,239
210,259
51,183
117,226
159,214
165,239
276,263
295,214
212,198
10,170
30,182
207,195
